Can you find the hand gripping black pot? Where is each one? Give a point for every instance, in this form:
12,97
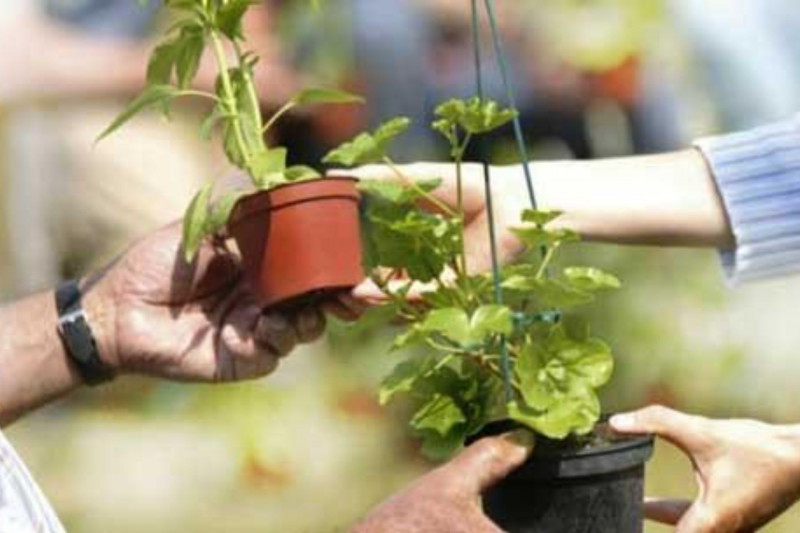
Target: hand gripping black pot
592,486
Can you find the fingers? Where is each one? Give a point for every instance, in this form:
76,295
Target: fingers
276,333
690,433
473,199
309,324
666,511
490,460
346,306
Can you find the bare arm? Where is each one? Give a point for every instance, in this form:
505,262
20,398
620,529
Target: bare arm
34,366
153,314
668,199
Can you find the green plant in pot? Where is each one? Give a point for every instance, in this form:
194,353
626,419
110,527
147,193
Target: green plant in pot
298,232
499,350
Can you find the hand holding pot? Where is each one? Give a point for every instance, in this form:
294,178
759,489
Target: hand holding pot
155,314
747,472
449,497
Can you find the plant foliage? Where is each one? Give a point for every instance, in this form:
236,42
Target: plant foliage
458,385
234,114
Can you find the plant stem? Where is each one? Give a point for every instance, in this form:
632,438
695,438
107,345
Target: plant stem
250,85
201,94
414,185
288,106
230,102
548,258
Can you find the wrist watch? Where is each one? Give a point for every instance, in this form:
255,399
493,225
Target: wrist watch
79,341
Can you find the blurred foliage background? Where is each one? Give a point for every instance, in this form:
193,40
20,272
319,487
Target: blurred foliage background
308,449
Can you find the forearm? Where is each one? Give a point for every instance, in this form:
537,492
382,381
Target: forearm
668,199
34,368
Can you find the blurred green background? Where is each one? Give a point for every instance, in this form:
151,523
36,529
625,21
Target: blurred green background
308,449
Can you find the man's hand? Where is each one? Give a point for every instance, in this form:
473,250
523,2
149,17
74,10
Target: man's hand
448,499
155,314
747,472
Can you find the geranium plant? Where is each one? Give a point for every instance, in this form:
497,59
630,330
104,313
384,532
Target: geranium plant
525,359
234,113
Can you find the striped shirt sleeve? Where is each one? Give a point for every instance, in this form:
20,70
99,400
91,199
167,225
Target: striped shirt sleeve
758,175
23,507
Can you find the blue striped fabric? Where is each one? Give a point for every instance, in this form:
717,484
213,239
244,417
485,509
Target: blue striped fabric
758,175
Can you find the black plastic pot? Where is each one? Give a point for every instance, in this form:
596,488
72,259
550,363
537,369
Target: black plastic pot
593,486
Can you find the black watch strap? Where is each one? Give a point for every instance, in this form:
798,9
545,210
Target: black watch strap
77,335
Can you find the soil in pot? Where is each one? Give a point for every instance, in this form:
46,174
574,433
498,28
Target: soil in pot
589,485
301,241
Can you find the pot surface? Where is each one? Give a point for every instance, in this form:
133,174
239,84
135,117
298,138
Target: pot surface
300,241
589,486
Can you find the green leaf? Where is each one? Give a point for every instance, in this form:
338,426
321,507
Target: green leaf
268,166
188,52
535,237
440,414
453,323
194,222
326,96
398,193
301,173
483,116
213,118
152,96
229,17
161,63
549,293
490,320
221,211
404,377
591,279
574,415
368,148
475,116
248,117
540,218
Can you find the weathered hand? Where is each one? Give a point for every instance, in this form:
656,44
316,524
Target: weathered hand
448,499
747,472
155,314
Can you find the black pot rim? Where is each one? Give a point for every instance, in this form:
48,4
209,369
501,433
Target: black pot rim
624,453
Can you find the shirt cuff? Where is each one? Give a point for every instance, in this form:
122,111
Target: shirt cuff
758,176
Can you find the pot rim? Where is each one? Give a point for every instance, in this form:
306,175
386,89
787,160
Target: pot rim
623,453
243,209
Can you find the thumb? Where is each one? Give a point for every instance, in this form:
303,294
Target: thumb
685,431
490,460
666,511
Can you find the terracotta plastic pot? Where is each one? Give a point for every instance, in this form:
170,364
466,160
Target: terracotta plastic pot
300,241
565,488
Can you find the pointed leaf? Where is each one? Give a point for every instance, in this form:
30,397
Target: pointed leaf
161,63
540,218
152,95
326,96
301,173
221,211
194,222
188,51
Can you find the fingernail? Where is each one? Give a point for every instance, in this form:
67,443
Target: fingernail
522,437
624,422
